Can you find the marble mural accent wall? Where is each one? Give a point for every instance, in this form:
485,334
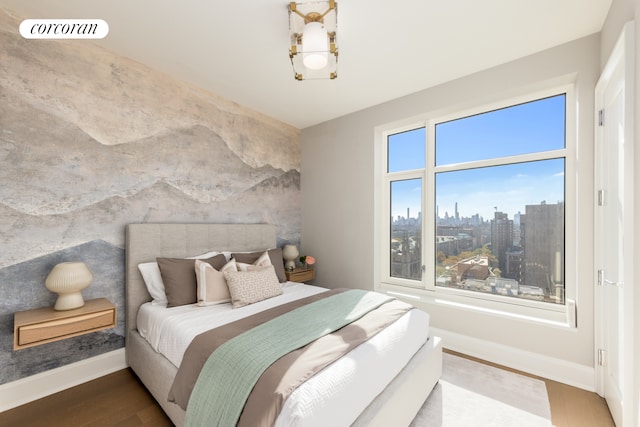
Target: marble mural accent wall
91,141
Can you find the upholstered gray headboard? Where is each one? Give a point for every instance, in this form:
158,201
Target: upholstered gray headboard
145,242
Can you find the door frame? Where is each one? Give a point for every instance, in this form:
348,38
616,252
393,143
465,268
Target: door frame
622,54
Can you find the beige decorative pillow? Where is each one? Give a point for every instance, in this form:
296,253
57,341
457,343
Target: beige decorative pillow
247,287
211,284
263,261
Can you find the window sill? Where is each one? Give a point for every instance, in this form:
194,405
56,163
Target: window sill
554,317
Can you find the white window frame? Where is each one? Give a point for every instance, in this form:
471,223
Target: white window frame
426,289
388,178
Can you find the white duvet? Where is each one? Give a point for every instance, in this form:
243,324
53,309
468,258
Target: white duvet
334,396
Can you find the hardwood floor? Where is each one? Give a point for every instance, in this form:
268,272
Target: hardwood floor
119,399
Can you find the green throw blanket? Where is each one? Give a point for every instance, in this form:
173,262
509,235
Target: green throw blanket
228,376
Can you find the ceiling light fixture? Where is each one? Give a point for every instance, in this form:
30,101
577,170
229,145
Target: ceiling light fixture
312,30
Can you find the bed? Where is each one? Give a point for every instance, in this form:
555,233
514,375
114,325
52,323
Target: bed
398,400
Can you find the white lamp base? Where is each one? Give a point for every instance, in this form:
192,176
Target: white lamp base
69,301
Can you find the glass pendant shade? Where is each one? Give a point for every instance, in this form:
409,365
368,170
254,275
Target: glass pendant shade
315,46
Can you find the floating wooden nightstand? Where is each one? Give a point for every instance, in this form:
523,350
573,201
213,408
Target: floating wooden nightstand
44,325
302,275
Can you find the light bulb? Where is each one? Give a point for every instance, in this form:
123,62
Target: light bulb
315,46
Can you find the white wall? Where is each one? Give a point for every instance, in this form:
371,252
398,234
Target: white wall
636,396
337,169
621,12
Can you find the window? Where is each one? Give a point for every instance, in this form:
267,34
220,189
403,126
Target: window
477,203
406,154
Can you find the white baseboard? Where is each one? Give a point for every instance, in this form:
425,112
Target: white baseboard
543,366
37,386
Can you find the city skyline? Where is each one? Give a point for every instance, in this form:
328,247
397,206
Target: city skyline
520,255
446,214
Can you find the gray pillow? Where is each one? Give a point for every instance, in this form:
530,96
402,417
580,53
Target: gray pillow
179,278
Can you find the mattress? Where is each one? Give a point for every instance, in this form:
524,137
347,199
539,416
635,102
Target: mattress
334,396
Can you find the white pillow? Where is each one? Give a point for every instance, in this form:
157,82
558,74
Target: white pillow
153,280
263,261
212,286
247,287
206,255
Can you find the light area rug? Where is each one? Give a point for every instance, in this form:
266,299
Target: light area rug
477,395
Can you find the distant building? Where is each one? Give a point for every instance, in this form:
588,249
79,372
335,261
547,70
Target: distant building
452,240
501,238
515,265
502,286
475,268
406,247
468,273
542,228
516,229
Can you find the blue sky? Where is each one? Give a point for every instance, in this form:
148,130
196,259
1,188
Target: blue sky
525,128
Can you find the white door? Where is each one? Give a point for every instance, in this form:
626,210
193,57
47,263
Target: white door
614,231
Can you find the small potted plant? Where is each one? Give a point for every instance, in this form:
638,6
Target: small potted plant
307,261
